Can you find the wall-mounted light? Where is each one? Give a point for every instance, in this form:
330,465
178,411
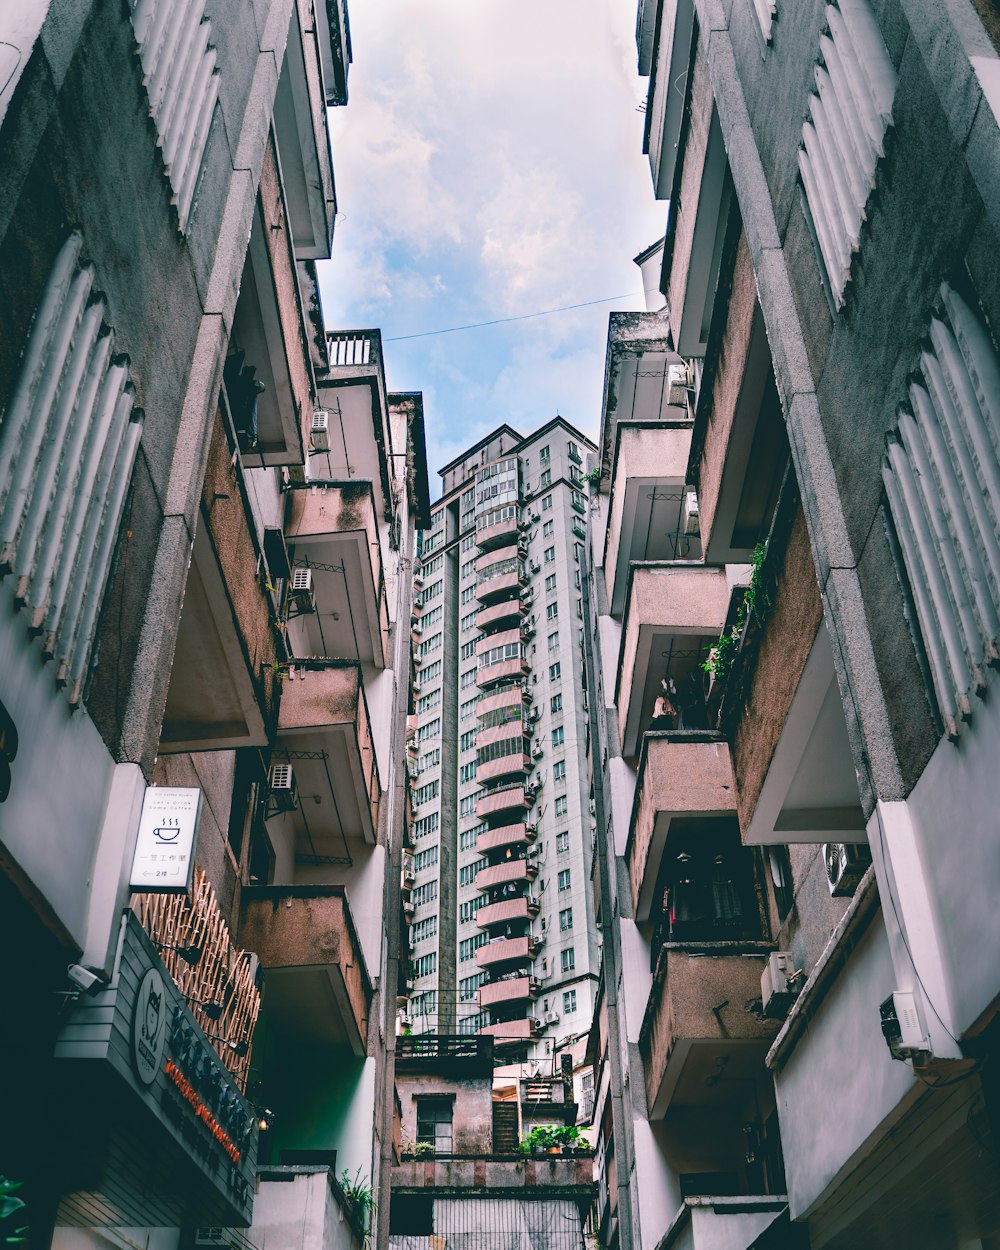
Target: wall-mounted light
190,954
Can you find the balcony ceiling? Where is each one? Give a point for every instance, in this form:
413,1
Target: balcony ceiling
311,1004
355,398
212,701
810,792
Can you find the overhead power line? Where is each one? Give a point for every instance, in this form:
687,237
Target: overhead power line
479,325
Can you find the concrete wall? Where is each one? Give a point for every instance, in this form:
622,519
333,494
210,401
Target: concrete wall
472,1108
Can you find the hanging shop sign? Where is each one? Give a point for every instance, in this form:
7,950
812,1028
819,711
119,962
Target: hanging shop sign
164,850
148,1063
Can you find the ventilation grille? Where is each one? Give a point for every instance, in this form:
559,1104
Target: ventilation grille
68,441
182,82
842,137
942,479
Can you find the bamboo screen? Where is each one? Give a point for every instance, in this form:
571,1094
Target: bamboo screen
223,974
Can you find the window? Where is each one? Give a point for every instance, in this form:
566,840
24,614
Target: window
429,701
558,736
567,960
431,592
577,501
431,567
569,1002
467,875
501,749
467,838
468,678
468,946
424,966
543,455
468,568
424,929
425,893
555,671
429,644
555,703
546,479
430,791
468,542
426,825
564,880
550,555
468,986
550,583
468,709
576,475
562,805
430,759
425,859
554,641
468,650
547,503
430,671
548,529
566,920
552,612
469,622
573,450
434,1124
472,1024
562,842
468,594
467,911
424,1004
467,806
495,655
467,773
559,770
467,740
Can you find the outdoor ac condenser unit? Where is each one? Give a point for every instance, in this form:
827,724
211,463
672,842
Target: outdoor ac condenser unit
846,864
319,430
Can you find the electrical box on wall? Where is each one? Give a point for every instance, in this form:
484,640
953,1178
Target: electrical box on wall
902,1026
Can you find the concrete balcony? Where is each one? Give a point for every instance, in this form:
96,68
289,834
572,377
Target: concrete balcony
509,800
509,696
499,574
352,392
648,475
324,728
332,528
507,910
222,690
500,639
566,1176
514,836
507,612
683,775
510,870
514,1033
675,613
725,1223
303,1206
504,766
500,533
506,950
318,987
698,1022
503,670
513,990
513,728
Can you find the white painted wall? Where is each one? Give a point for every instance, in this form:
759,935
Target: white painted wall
829,1121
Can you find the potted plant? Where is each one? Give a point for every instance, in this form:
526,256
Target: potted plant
570,1139
423,1150
538,1141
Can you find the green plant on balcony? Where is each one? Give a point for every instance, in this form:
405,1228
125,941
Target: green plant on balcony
358,1195
569,1137
552,1139
753,607
423,1150
12,1231
593,476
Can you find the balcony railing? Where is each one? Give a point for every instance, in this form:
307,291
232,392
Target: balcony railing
506,950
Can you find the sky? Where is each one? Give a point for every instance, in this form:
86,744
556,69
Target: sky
489,164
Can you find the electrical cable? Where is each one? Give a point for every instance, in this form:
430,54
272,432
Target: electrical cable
497,321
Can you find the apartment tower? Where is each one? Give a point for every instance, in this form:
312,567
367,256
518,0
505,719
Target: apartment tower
500,912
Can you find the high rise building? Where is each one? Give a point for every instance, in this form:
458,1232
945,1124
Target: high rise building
500,911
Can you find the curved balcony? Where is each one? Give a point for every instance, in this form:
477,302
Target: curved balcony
520,835
496,534
501,671
507,911
508,696
513,990
516,727
506,950
504,766
502,874
508,610
503,801
512,1032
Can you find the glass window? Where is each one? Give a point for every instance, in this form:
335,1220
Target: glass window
548,529
552,611
555,671
555,703
569,1002
564,880
550,583
546,479
434,1117
559,770
547,503
550,555
543,455
553,644
558,736
566,920
562,805
562,842
567,960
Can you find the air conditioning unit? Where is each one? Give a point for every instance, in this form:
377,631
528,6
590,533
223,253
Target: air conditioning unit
534,713
534,566
411,985
416,627
532,900
319,430
846,863
534,518
536,751
281,784
408,909
903,1027
418,581
531,826
405,1020
689,518
551,1017
301,591
778,985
